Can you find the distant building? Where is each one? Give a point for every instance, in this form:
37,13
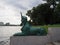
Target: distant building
1,23
7,24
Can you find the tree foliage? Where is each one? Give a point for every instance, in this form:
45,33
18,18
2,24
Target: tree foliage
44,14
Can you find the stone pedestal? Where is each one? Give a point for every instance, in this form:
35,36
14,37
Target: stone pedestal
29,40
53,35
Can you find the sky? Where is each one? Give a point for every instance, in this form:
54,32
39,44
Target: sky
10,9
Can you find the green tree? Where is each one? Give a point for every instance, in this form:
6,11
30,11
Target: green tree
55,13
52,2
40,14
58,13
44,14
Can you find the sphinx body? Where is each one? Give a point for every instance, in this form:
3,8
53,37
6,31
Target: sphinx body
28,29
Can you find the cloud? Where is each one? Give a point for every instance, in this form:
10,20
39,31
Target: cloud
10,9
8,13
23,4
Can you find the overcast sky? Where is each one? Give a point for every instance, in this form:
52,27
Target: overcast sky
10,9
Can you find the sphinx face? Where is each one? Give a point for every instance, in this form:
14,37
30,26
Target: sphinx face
24,20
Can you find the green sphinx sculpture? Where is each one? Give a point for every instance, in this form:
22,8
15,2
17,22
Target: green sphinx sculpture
29,30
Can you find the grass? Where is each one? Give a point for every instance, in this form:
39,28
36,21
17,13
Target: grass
54,25
44,27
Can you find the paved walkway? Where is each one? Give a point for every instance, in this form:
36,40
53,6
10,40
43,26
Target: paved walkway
57,43
53,43
6,42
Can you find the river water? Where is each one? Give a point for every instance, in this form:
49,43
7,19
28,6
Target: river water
7,31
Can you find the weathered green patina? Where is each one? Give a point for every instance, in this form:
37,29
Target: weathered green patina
28,30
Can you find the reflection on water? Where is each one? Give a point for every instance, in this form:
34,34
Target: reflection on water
7,31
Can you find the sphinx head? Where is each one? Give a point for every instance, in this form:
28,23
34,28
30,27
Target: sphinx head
23,20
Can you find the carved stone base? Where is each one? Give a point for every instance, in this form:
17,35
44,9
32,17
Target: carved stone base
29,40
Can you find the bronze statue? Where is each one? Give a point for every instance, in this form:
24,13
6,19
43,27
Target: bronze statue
28,30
